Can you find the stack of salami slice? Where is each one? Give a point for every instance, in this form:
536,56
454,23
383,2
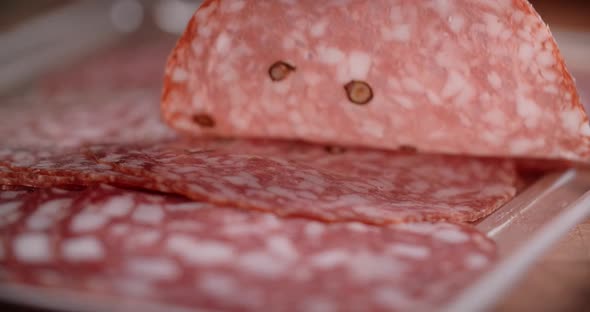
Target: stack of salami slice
330,156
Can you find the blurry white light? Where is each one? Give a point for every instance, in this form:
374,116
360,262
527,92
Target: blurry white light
173,15
127,15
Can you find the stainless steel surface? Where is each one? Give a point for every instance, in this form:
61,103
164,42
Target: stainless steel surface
524,229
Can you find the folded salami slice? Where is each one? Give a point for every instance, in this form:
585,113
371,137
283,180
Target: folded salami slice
76,119
459,76
289,179
162,249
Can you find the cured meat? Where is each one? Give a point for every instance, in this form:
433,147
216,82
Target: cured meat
163,249
583,82
288,179
82,118
127,66
460,77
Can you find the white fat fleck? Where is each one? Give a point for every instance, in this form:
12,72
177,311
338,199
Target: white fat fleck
400,33
217,285
410,251
456,23
190,206
32,248
367,266
443,7
283,192
404,101
495,117
357,227
312,78
433,97
314,229
88,221
53,207
329,259
118,206
418,228
330,56
282,246
200,251
520,145
448,192
464,98
412,85
493,25
148,213
223,43
571,120
476,261
319,305
82,249
39,222
8,208
495,80
517,15
235,6
359,65
244,179
453,236
288,43
318,29
526,51
394,299
262,264
546,59
585,129
147,237
527,109
153,268
373,129
179,75
550,75
455,83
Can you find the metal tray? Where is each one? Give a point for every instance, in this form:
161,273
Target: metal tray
523,229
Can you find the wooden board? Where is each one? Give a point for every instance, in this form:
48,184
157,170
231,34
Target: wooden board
560,281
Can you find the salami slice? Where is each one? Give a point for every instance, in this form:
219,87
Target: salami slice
288,179
82,118
163,249
460,77
138,64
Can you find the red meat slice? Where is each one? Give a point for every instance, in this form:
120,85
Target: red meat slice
82,118
131,65
288,179
161,249
462,77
